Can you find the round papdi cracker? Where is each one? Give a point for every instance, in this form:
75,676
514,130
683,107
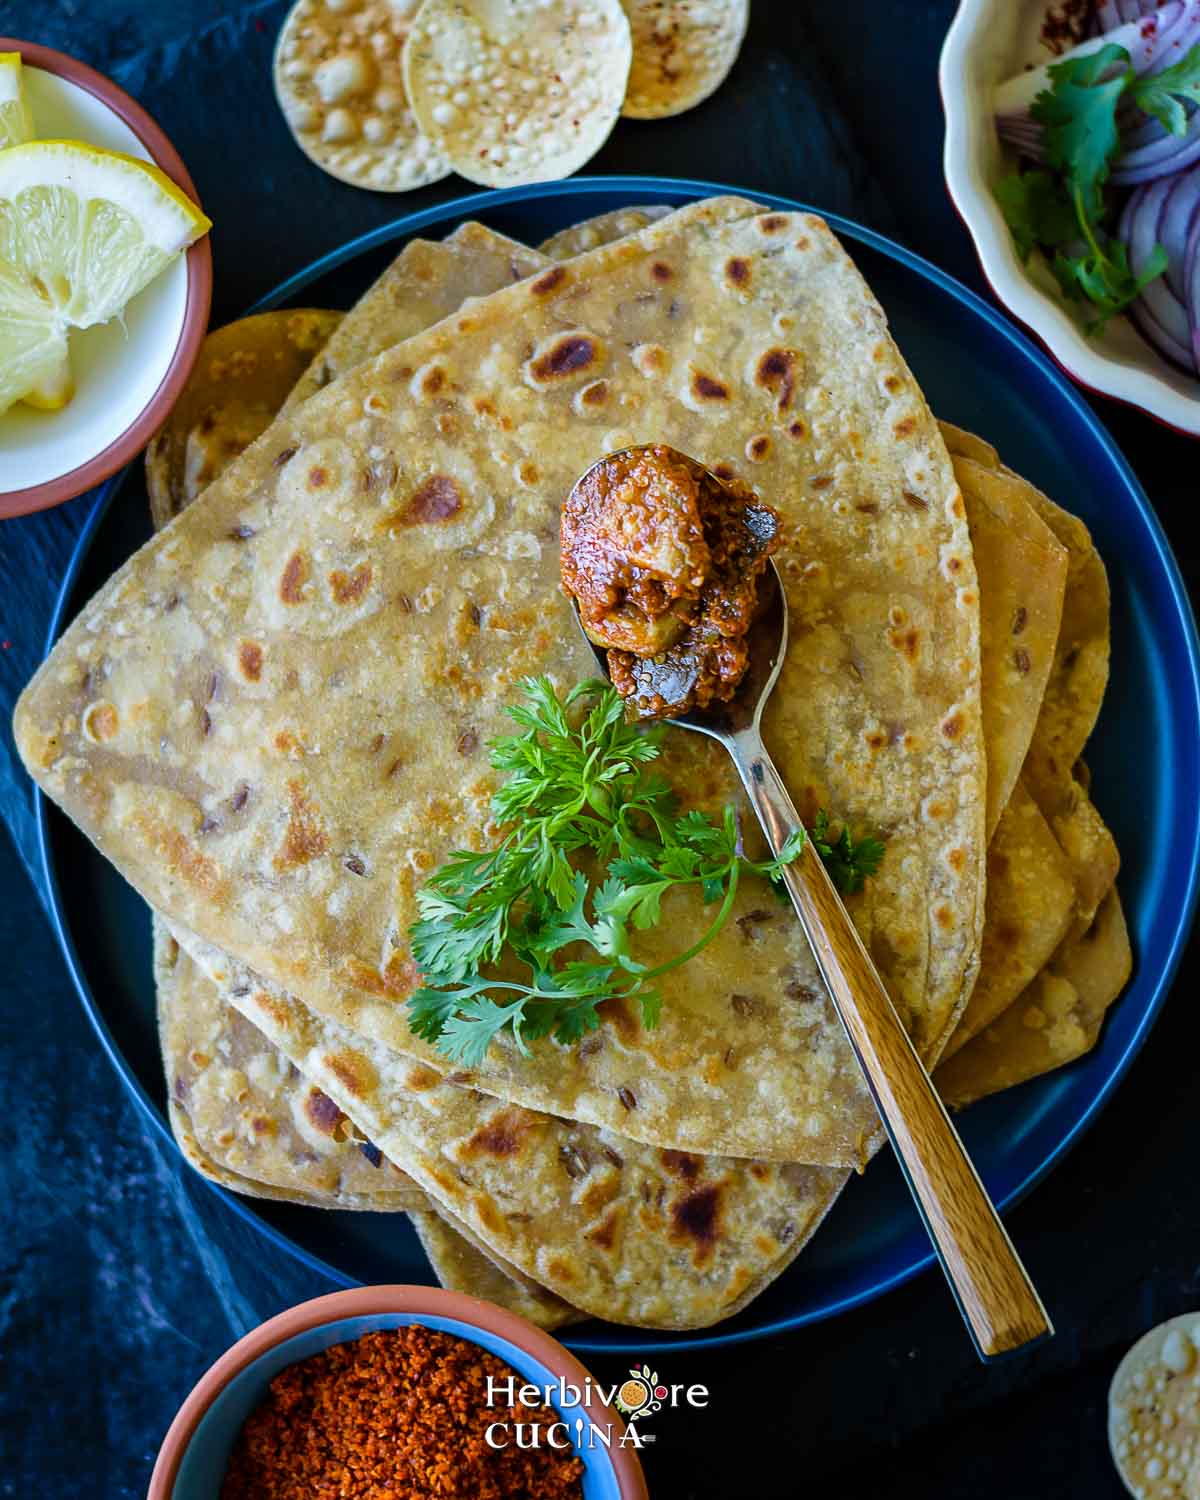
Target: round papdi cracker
518,90
339,79
682,51
1154,1412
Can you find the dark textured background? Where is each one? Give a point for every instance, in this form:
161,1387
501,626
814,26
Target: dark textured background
120,1279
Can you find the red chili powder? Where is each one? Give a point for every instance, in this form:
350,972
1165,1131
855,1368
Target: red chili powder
395,1415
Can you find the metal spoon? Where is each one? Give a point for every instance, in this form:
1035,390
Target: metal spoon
994,1292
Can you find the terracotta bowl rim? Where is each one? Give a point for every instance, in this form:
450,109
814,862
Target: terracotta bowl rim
360,1302
195,315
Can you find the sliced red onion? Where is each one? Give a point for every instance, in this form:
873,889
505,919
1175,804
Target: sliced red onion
1154,39
1179,212
1191,281
1157,336
1164,37
1139,37
1168,154
1139,230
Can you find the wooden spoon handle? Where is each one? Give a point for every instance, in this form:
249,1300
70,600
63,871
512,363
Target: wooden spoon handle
994,1292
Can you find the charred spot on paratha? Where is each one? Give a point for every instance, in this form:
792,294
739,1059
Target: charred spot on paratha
777,371
696,1220
250,660
564,356
322,1113
354,1072
542,285
605,1234
504,1135
294,578
349,588
304,837
436,499
706,387
682,1164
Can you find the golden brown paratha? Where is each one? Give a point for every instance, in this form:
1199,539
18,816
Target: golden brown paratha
427,281
290,1143
1045,879
297,680
1074,693
462,1266
1022,570
623,1231
1030,908
241,378
1054,1021
458,1265
602,229
248,1109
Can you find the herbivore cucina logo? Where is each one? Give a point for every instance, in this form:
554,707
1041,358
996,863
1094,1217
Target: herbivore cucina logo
640,1395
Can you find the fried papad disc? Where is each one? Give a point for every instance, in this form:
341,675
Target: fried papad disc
682,52
1055,1020
1154,1412
240,380
516,91
602,229
1030,908
339,80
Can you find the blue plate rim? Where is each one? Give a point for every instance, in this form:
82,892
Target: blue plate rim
681,190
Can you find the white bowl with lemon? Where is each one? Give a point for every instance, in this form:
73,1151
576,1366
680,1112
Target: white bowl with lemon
105,277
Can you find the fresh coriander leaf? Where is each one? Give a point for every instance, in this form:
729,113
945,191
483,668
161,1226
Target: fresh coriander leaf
576,800
429,1010
1167,94
474,1025
1078,114
1037,210
651,1006
1106,279
850,862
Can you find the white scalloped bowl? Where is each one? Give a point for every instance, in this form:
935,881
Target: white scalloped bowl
988,42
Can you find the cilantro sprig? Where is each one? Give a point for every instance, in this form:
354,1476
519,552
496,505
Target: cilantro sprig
850,863
532,936
1067,209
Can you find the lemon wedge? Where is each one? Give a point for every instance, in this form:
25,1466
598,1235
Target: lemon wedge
16,126
33,364
82,232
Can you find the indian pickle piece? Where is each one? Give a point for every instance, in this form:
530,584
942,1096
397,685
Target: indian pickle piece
664,560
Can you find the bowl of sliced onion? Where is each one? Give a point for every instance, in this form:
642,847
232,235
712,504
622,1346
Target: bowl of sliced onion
1072,154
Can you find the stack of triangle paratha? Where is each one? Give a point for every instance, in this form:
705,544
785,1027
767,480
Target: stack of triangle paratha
273,721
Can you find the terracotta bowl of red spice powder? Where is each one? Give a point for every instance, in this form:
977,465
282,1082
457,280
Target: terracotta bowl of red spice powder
383,1391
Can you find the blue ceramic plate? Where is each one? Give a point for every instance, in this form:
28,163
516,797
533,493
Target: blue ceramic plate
978,371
